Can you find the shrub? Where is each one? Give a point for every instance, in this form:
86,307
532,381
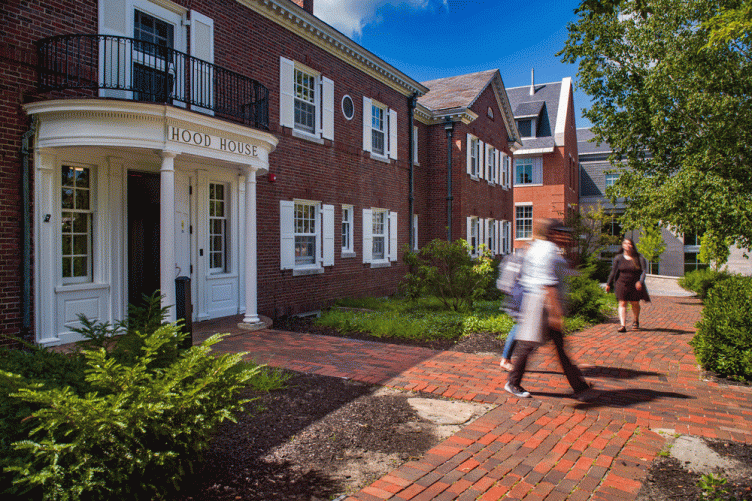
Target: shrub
702,280
587,299
723,342
448,271
128,423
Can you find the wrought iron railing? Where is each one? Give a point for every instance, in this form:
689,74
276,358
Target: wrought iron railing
131,69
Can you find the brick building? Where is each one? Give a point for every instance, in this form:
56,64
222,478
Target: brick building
245,145
546,171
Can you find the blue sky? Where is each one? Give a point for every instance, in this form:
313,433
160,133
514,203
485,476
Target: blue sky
429,39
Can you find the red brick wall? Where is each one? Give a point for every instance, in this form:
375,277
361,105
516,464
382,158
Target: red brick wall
21,24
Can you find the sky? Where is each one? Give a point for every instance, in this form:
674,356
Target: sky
430,39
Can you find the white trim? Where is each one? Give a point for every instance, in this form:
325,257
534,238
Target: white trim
327,230
561,114
327,108
392,133
367,146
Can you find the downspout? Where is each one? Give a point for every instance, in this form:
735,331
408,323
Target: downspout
449,127
26,231
411,103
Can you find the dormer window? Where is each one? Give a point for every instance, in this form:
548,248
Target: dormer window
526,127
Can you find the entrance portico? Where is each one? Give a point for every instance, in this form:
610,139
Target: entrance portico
85,151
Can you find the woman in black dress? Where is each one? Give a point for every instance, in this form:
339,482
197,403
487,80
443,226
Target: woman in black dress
628,274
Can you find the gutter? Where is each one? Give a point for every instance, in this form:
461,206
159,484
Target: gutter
26,231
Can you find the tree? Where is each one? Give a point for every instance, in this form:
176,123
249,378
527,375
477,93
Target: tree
651,244
588,231
670,82
713,250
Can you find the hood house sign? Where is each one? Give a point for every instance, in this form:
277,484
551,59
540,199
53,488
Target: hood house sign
186,136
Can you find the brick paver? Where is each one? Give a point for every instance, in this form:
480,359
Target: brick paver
551,446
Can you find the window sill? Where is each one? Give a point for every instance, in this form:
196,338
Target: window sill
474,177
347,254
302,272
307,136
527,185
380,158
381,264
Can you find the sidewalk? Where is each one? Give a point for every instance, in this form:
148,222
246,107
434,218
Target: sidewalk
548,447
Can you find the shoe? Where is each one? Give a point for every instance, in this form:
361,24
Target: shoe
621,329
517,391
636,324
506,364
586,395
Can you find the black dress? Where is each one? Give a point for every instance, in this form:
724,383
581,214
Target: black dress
625,273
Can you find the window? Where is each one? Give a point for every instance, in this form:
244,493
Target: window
612,227
217,228
524,221
76,224
528,171
491,236
379,233
611,179
306,236
306,232
474,157
347,229
526,127
153,65
474,232
491,163
348,107
692,262
305,101
378,130
653,268
379,236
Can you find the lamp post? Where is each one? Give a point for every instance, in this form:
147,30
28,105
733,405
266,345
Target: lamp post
449,128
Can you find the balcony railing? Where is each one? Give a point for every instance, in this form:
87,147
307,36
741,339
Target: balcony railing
131,69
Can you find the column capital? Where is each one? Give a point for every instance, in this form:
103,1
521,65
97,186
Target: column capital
249,171
168,154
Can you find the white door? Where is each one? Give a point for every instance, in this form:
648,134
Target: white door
183,239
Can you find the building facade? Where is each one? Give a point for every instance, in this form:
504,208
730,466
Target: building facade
545,169
681,254
245,146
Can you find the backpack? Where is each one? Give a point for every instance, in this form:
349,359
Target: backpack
510,272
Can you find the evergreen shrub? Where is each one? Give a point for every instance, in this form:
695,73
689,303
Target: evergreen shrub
702,280
723,342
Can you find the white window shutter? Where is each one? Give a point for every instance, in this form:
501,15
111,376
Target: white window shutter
202,47
497,173
510,247
503,169
481,159
414,243
470,231
497,243
286,93
287,234
392,236
486,224
469,154
538,170
327,105
327,227
367,235
393,134
367,125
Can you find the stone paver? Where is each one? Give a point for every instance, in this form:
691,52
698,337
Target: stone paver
551,446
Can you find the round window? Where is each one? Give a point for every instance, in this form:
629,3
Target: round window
348,108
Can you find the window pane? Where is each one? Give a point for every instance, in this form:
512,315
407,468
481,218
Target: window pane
80,245
82,177
82,199
67,245
80,222
525,127
67,174
79,267
67,198
67,267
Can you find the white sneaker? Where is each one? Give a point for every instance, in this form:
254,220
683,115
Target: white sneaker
517,391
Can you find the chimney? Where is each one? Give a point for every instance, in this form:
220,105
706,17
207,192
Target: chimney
306,5
532,81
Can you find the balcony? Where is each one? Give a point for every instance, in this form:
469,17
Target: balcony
126,68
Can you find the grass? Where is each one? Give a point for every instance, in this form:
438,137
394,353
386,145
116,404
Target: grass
423,320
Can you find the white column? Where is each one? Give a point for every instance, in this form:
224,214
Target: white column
167,232
251,275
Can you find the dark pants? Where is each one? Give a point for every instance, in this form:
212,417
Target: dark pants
526,348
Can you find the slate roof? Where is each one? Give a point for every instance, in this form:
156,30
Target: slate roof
529,110
546,99
455,92
586,147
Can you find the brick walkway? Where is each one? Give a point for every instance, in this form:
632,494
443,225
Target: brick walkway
548,447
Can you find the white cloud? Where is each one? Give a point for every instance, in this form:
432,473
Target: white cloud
350,16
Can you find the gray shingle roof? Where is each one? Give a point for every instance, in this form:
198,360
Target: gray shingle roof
586,147
529,110
546,99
